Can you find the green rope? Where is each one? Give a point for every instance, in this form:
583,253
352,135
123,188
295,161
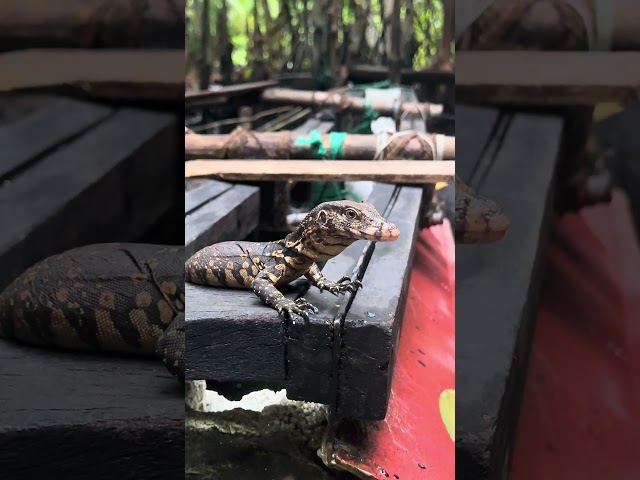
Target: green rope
369,116
327,191
315,144
336,142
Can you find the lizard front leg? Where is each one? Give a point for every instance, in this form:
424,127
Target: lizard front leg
264,286
343,285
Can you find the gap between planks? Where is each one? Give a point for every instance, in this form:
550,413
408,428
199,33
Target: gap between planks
388,171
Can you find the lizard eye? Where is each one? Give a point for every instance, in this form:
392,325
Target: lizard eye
351,214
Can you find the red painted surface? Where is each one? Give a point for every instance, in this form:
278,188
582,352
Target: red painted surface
412,442
581,410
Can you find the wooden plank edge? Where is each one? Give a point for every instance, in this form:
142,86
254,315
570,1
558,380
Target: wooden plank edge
387,171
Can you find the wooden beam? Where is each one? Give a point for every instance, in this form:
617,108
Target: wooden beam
111,74
375,73
547,78
88,411
220,212
59,168
497,284
388,171
345,102
296,145
222,94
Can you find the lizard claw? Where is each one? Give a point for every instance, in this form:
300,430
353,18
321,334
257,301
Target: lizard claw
287,308
305,305
345,284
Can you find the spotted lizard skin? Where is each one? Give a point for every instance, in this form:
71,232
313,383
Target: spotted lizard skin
478,218
263,266
118,298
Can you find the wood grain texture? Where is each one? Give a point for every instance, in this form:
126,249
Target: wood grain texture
231,215
547,78
203,193
232,336
20,143
388,171
88,416
67,197
112,74
497,285
371,327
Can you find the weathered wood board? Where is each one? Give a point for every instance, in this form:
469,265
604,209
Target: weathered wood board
77,414
221,96
75,173
547,78
217,211
388,171
496,285
79,173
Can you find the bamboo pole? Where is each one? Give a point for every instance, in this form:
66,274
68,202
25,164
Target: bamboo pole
282,145
392,171
345,102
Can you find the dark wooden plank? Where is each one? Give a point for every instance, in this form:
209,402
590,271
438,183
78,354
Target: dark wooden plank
322,126
48,122
230,216
83,412
103,186
222,94
310,345
376,73
197,197
372,324
233,336
497,284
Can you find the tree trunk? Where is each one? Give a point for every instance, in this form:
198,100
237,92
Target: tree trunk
332,42
395,63
205,66
319,20
224,44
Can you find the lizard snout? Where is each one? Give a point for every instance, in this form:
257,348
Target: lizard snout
390,233
386,232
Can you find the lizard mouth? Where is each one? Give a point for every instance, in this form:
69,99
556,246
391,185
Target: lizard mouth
388,233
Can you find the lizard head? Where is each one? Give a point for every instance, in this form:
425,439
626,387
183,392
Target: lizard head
353,221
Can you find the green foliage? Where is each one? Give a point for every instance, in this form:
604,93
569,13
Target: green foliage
428,24
241,23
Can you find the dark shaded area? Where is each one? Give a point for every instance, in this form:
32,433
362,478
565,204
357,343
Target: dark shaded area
497,284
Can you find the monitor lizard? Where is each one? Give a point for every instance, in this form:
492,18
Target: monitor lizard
325,232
